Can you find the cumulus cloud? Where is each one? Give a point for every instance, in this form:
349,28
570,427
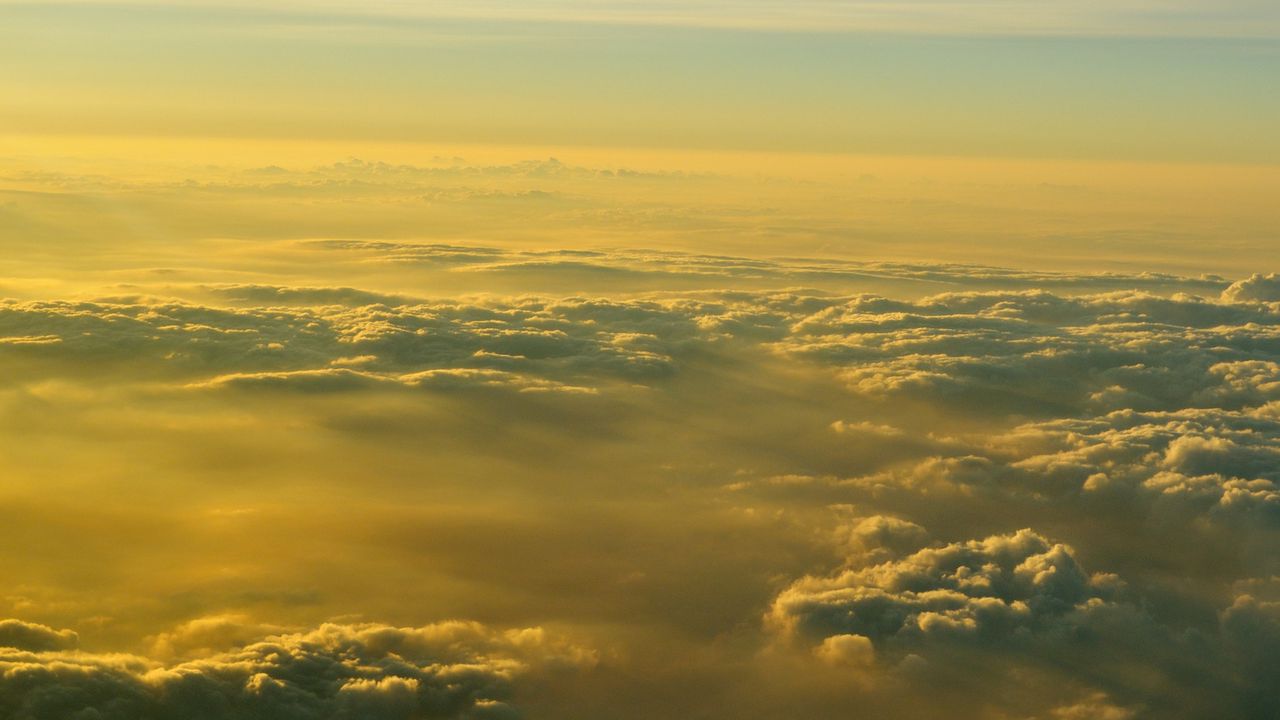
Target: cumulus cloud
992,351
541,341
1009,612
1141,429
981,351
1192,491
210,634
371,672
995,588
886,450
1255,288
1221,464
883,535
34,637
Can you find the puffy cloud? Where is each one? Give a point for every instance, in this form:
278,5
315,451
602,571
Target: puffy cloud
855,650
299,346
1251,628
995,588
1256,288
1153,493
35,637
1018,616
371,672
990,352
206,635
884,534
975,351
1222,463
1138,431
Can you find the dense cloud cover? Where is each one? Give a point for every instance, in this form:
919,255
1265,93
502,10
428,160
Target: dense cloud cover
1106,351
1028,495
371,672
1015,609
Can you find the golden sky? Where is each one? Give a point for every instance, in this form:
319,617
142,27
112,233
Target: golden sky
622,359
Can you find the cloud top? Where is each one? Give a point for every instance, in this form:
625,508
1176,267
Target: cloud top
371,672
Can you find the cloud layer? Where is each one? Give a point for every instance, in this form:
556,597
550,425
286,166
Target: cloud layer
1028,495
372,672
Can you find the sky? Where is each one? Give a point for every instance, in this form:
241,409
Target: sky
616,360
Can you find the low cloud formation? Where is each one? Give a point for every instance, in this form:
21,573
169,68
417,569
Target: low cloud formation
35,637
991,352
1257,288
630,268
521,343
370,672
1018,611
1025,496
996,589
976,351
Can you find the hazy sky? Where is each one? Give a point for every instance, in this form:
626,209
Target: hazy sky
1131,18
621,360
1166,84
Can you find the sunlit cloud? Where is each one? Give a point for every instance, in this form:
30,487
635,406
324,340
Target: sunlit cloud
629,360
